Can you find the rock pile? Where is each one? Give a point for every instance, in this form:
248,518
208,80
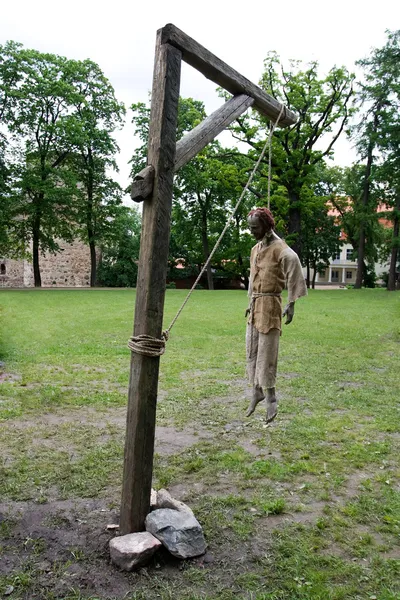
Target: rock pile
170,523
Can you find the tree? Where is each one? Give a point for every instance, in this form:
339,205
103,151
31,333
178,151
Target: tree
120,253
321,234
344,189
40,116
323,109
388,60
97,114
10,76
64,112
389,175
378,129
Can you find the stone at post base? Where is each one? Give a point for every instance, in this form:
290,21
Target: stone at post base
133,550
179,531
165,500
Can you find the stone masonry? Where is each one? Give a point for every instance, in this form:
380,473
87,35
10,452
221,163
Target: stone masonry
68,268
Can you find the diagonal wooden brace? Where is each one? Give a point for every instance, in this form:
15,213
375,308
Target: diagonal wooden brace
192,143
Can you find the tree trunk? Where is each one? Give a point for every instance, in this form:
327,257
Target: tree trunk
314,277
93,264
361,269
35,247
206,248
90,220
308,273
395,249
243,271
294,224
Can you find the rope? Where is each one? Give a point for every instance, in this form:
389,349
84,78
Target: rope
146,344
269,166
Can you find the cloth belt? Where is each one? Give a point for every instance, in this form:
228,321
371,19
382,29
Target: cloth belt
256,295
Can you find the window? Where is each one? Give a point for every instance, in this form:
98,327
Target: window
336,256
3,269
349,254
349,274
335,275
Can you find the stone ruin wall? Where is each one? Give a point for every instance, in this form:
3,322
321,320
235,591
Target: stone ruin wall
68,268
14,273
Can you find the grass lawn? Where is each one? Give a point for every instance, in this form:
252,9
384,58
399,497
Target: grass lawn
306,508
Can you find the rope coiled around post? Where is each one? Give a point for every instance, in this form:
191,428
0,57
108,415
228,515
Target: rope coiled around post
148,345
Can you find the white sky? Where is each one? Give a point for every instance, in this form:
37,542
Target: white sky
120,36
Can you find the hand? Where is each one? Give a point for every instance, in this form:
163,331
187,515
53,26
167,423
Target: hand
247,312
288,312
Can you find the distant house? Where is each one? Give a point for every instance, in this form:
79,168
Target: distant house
342,268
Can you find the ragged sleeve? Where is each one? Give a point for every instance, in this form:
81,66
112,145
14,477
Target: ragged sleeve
293,271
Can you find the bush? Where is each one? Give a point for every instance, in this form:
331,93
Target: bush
369,277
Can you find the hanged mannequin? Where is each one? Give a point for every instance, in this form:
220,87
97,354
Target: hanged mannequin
273,266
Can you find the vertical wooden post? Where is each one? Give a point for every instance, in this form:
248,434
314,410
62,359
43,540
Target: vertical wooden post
152,272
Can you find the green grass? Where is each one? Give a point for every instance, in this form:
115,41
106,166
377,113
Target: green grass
307,508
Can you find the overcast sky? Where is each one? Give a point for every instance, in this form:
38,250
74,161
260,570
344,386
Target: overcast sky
120,36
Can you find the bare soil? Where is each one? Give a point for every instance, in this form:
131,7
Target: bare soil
65,543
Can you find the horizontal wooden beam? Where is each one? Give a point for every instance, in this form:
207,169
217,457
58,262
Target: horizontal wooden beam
223,75
188,146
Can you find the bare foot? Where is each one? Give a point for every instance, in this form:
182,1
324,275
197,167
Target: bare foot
258,396
272,409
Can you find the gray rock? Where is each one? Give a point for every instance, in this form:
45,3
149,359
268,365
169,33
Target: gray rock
165,500
179,531
133,550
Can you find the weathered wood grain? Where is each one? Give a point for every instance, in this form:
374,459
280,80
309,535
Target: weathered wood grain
152,271
222,74
207,130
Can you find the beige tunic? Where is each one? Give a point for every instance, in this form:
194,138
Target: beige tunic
272,267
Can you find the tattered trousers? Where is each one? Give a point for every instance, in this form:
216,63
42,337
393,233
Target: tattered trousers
262,356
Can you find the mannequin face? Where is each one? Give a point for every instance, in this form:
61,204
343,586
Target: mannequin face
257,228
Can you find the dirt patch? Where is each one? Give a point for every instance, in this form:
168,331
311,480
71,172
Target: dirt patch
257,452
312,512
64,547
171,441
66,544
352,486
86,415
9,378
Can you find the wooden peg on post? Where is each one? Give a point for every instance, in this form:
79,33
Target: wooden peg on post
142,185
152,272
